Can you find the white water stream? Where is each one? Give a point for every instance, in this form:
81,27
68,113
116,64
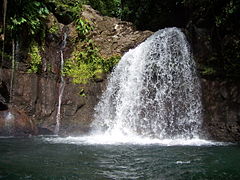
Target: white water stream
62,85
153,92
12,70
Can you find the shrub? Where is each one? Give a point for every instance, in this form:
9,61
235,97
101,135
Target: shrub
35,57
87,64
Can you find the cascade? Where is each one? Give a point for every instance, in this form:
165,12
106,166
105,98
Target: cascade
153,92
62,84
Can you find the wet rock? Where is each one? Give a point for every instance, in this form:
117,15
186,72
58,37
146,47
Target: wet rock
44,131
221,109
201,42
14,122
38,97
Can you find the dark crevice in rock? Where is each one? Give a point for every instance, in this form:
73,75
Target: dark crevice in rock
4,93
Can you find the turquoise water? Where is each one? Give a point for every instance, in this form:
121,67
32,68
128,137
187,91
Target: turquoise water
40,159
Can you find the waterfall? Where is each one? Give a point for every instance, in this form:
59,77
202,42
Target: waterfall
153,92
62,84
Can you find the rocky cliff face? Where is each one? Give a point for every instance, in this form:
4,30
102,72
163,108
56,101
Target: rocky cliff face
112,35
35,96
221,100
220,94
32,108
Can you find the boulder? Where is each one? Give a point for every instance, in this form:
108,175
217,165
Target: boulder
113,36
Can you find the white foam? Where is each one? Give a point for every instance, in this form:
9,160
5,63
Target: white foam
107,139
9,116
183,162
6,137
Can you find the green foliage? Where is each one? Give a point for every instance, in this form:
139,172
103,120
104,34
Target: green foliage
83,27
71,9
217,12
86,63
68,9
35,58
5,55
232,57
227,11
49,68
152,14
107,7
54,29
63,6
221,19
27,16
208,71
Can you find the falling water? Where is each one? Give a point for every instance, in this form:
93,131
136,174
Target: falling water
8,121
13,69
62,85
15,57
154,92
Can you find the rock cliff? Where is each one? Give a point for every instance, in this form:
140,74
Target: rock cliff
31,107
220,94
35,96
